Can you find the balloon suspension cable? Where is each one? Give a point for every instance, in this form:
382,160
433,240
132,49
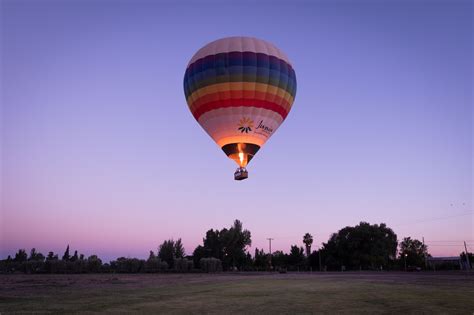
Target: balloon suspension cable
241,173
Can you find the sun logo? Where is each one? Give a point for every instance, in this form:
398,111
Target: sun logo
245,125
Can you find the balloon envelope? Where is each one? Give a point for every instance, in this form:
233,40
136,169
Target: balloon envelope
240,90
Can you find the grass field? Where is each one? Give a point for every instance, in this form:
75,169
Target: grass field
241,293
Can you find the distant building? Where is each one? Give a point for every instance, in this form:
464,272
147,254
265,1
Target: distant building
446,263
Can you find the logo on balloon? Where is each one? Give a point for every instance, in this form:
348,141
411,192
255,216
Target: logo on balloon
263,129
245,125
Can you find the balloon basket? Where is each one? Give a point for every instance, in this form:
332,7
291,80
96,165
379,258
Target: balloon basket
241,173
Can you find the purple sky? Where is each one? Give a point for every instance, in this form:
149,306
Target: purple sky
99,149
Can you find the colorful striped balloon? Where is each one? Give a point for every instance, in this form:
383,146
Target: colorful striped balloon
240,89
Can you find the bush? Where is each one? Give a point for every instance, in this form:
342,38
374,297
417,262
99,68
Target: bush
183,264
128,265
155,265
94,264
210,264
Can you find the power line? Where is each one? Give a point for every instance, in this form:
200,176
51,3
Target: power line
452,245
435,219
449,241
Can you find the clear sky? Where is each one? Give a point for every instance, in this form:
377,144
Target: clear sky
100,151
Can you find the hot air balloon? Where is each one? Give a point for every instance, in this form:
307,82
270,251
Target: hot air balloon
240,90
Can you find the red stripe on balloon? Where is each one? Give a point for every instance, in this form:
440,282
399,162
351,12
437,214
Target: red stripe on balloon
240,103
239,95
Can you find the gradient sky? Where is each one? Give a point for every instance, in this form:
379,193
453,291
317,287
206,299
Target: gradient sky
100,151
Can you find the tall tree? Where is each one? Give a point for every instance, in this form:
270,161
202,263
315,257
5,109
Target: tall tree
52,256
280,259
75,256
178,249
21,256
170,250
363,246
260,259
66,256
213,246
296,257
94,263
198,253
413,251
36,256
235,241
308,241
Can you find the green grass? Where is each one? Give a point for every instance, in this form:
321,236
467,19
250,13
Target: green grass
292,293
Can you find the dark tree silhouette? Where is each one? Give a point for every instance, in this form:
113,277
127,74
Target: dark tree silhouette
364,246
21,256
213,244
198,254
36,256
308,241
66,256
235,241
179,249
260,259
228,245
280,260
52,256
413,251
170,250
74,257
296,257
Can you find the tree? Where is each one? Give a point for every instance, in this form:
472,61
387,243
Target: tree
235,241
36,256
178,249
260,259
413,251
227,245
52,256
170,250
313,260
296,257
66,256
308,241
21,256
94,264
213,246
199,252
363,246
280,260
74,257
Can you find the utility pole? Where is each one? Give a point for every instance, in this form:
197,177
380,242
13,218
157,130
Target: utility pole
424,254
270,249
468,263
270,244
320,267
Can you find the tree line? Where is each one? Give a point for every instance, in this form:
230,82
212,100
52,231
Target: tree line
361,247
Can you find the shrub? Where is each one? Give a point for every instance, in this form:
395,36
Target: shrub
183,264
155,265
